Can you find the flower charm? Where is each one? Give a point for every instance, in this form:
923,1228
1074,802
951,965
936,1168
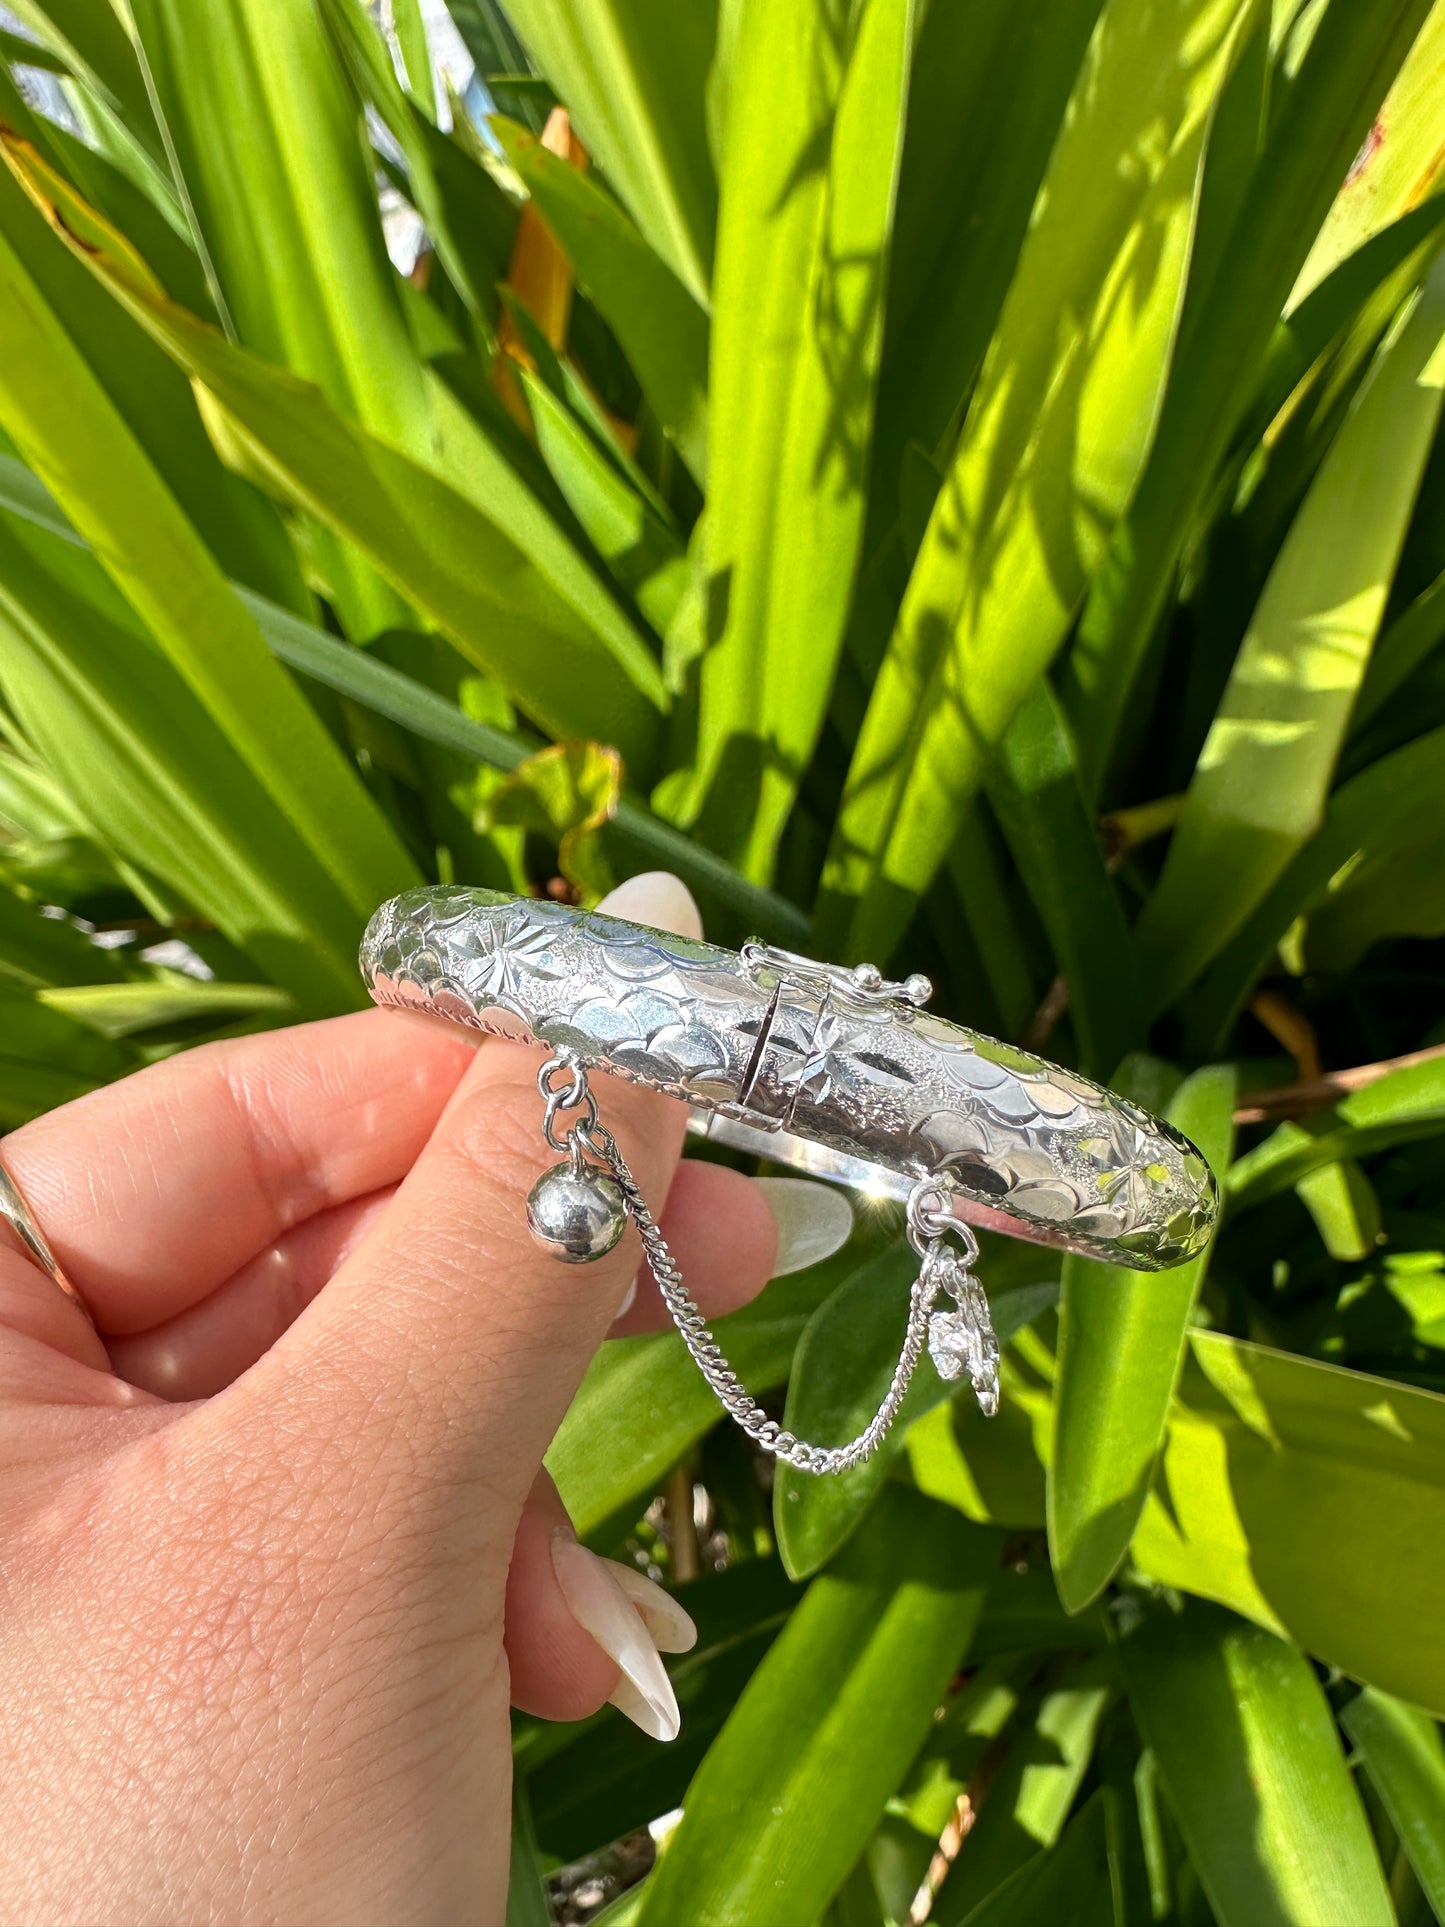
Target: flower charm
963,1340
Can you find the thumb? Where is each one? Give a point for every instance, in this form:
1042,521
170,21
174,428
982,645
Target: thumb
447,1348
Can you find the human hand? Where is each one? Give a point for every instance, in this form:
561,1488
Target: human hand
258,1635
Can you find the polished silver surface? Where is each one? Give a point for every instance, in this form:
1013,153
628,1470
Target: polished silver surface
576,1215
830,1070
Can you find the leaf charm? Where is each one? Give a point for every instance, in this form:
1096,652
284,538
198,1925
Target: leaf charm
962,1340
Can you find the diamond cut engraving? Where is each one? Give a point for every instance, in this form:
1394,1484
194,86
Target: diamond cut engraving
847,1059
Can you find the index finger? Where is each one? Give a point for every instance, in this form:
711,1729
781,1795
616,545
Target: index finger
154,1190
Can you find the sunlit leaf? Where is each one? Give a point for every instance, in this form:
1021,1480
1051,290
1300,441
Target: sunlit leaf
1036,1778
632,73
80,446
1405,1759
1312,1500
797,325
657,320
1351,56
772,1819
1397,168
1069,392
1265,770
1121,1340
1252,1764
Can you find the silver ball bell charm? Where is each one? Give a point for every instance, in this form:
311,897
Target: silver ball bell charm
576,1213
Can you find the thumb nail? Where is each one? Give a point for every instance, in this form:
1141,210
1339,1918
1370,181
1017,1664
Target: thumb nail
658,898
601,1597
814,1220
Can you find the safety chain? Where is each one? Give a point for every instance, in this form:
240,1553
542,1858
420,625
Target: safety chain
929,1220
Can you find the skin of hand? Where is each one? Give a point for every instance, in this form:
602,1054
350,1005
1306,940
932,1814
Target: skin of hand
278,1551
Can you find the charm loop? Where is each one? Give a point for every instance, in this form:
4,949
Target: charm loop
574,1096
930,1217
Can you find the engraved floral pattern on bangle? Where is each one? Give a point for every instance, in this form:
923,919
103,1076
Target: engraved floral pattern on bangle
917,1095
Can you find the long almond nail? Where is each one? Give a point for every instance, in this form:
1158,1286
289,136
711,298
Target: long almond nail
657,898
671,1625
602,1606
814,1220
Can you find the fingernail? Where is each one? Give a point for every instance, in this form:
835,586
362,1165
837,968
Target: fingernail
671,1625
658,898
628,1301
603,1606
814,1220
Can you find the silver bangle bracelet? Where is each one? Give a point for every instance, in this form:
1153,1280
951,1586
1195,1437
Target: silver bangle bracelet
831,1071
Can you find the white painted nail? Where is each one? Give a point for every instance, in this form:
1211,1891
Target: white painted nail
603,1607
814,1220
628,1301
658,898
671,1625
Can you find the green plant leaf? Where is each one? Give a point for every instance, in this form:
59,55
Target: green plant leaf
1374,814
501,61
1398,894
47,1058
1121,1340
92,42
470,220
544,625
1007,556
797,325
54,408
566,793
288,214
1342,1202
1071,1881
1312,1500
991,1470
153,776
120,1010
1031,1788
1252,1764
645,557
527,1904
1325,112
1413,635
1402,1105
844,1362
37,949
632,73
19,50
1406,247
1398,166
286,217
363,677
1035,794
1260,786
1405,1760
988,90
242,529
648,1399
409,25
661,327
772,1821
